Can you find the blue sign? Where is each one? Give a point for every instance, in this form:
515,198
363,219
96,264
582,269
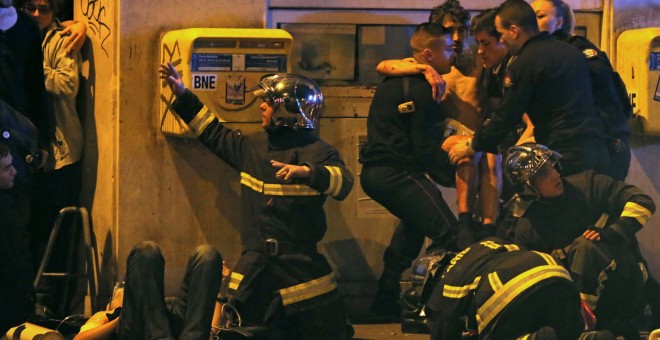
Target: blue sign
654,61
210,62
238,62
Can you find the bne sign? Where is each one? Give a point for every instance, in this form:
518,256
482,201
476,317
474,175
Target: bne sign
204,81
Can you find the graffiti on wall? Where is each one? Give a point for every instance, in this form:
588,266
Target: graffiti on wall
95,12
170,54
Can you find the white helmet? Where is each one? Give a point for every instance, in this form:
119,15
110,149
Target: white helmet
298,99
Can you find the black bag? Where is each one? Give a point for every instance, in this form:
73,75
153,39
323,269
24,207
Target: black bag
424,276
232,325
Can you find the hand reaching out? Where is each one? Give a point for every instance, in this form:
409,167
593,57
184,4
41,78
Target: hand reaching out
169,74
288,172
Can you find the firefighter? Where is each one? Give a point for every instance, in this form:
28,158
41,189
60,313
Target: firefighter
589,221
498,290
281,284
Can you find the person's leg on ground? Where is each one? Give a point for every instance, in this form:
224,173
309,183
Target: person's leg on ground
610,281
192,310
144,314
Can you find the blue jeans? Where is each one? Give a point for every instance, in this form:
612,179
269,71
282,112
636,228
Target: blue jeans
145,314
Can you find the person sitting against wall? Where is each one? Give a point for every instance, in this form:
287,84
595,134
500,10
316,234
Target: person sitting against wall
141,312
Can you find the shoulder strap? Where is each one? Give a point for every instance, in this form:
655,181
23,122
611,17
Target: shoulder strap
406,89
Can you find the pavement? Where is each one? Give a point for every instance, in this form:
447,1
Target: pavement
384,331
393,331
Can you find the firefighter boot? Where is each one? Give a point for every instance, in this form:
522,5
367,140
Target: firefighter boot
545,333
387,300
597,335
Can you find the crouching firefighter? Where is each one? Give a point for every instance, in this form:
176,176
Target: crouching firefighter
496,290
281,287
588,221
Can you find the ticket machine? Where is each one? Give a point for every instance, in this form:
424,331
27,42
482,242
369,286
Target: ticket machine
219,65
638,63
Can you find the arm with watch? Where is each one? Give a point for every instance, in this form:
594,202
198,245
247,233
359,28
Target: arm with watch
458,147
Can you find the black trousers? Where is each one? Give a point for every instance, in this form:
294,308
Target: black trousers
418,202
611,279
319,314
144,313
582,154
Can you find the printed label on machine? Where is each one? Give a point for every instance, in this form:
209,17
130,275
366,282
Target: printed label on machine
235,92
204,81
210,62
265,63
238,62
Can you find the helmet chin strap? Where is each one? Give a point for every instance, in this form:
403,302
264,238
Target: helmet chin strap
530,192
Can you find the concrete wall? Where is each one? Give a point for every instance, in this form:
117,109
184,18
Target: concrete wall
99,88
141,185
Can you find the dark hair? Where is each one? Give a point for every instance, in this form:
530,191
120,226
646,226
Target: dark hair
519,13
425,34
4,150
485,22
564,11
19,4
450,8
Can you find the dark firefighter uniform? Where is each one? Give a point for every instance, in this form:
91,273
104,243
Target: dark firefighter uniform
611,100
549,80
494,290
280,280
590,200
402,165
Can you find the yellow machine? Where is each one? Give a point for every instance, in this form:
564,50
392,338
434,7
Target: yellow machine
638,63
28,331
219,65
